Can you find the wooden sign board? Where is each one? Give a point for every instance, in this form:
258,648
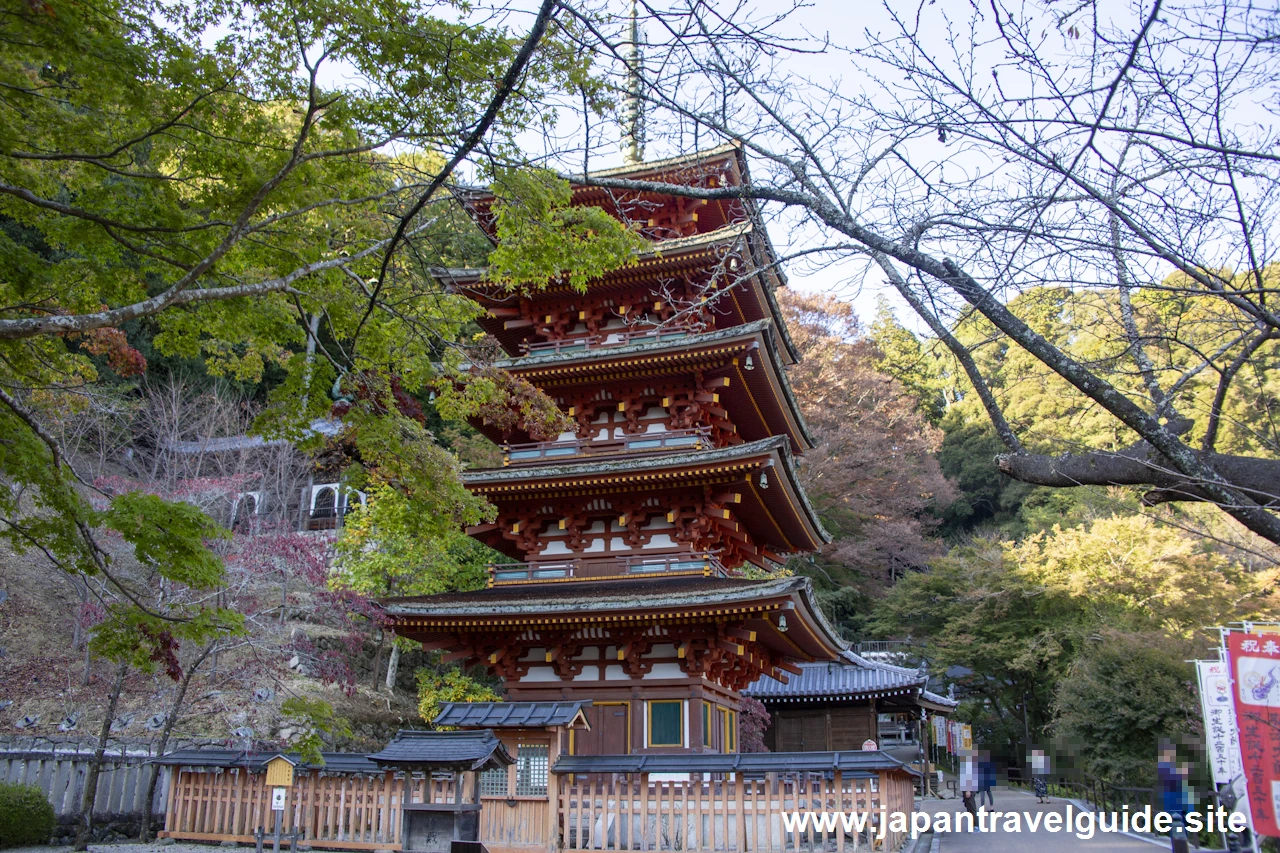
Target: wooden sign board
279,772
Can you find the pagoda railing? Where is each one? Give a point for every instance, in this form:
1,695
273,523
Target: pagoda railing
540,451
608,339
707,564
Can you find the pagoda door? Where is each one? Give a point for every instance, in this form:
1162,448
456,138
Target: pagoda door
610,730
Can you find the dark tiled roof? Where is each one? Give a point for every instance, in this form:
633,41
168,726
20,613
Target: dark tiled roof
327,427
852,677
256,762
679,161
563,470
848,763
576,596
938,699
509,714
647,346
582,600
444,750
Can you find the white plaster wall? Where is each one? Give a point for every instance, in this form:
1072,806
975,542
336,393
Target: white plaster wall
538,674
664,670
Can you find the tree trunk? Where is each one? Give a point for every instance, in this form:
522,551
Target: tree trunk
284,595
1142,465
313,326
77,628
377,658
393,666
171,719
95,766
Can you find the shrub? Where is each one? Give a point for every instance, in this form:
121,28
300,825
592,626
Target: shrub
25,816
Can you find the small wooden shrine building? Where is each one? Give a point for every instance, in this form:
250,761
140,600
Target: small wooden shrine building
838,704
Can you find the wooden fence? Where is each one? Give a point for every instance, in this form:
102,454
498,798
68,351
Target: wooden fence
633,812
604,812
122,783
346,811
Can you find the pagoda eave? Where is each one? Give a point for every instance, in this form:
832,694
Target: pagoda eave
747,298
724,165
768,625
777,513
755,393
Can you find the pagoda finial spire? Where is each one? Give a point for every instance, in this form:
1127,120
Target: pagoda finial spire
632,108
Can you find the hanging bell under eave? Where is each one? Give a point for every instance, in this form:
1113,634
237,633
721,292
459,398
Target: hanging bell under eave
764,479
749,364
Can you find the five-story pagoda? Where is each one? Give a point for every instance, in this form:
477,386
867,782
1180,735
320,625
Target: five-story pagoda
629,537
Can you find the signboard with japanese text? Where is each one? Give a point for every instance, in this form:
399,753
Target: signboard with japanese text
1255,671
280,772
1221,735
939,730
966,737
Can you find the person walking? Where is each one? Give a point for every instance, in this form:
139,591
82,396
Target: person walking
986,779
1040,774
969,784
1171,786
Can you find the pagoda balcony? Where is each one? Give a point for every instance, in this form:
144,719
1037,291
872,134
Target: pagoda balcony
697,438
618,338
631,566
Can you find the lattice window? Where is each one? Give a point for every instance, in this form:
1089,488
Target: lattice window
493,783
531,769
666,722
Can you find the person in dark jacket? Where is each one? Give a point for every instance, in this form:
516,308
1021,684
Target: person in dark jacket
1171,783
986,779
